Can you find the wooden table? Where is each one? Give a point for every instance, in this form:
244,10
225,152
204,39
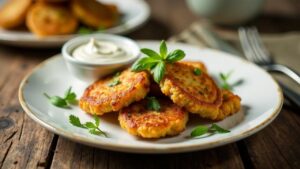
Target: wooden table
25,144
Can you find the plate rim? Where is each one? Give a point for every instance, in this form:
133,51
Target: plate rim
153,150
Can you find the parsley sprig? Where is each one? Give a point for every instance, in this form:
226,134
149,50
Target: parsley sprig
156,62
92,127
153,104
224,77
213,129
63,102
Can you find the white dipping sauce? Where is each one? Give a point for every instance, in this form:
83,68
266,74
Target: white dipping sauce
96,51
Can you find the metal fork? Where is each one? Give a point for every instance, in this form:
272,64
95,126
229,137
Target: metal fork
256,52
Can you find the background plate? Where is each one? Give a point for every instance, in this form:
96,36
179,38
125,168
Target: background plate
261,100
135,12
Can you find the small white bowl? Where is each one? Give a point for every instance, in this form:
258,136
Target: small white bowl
90,72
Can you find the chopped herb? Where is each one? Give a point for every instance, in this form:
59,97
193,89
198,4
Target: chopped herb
213,129
156,62
224,81
63,102
115,81
92,127
197,71
86,30
153,104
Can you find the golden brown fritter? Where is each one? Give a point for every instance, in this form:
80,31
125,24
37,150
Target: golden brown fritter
95,14
196,64
231,105
139,121
101,97
197,93
13,13
46,19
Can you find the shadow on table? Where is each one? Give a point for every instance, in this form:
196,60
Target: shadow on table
271,23
153,29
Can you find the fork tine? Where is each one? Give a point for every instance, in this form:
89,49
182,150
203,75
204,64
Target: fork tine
259,46
254,47
245,44
250,52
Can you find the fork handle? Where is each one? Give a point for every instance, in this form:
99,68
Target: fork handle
284,69
291,95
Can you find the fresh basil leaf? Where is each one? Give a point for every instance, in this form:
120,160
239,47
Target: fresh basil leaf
218,129
95,131
237,83
223,76
197,71
199,131
163,49
153,104
68,92
97,120
159,71
74,120
226,86
175,56
58,101
90,125
143,64
151,53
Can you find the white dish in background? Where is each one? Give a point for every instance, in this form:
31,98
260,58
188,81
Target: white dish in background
135,13
261,100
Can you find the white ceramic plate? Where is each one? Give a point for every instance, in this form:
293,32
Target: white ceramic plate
261,99
135,12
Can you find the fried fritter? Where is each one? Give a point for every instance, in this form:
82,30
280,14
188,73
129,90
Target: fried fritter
231,105
13,13
46,19
115,92
197,93
139,121
196,64
95,14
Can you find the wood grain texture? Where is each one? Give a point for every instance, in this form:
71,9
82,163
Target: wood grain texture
79,156
277,146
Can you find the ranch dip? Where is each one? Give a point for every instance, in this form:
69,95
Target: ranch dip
96,51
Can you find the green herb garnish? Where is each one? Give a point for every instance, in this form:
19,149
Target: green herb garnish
115,81
213,129
153,104
197,71
63,102
156,62
86,30
224,81
92,127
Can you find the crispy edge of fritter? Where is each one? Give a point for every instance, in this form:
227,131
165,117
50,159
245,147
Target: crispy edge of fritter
41,29
116,100
184,99
196,64
169,121
16,17
231,105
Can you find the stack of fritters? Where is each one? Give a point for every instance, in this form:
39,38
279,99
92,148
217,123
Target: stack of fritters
179,92
57,17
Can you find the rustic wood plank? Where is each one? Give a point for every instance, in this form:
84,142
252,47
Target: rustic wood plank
277,146
23,143
73,155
